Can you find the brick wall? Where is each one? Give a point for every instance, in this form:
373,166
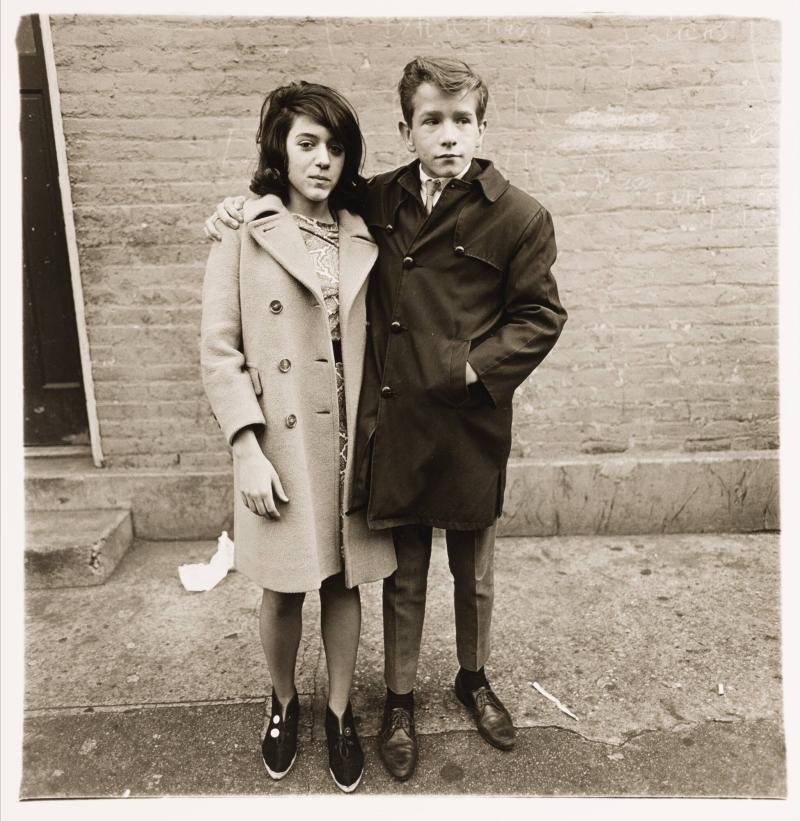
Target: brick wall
653,142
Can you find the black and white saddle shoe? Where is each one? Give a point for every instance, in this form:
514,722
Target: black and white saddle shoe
279,748
345,756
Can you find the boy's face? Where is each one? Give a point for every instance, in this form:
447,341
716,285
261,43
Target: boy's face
444,131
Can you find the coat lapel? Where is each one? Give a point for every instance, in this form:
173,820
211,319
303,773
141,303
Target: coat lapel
278,234
273,228
357,255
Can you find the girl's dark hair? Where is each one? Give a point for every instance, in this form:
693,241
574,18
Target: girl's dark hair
326,107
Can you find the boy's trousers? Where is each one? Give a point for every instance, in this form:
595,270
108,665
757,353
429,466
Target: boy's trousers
470,554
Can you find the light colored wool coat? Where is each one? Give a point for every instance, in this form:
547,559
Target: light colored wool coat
267,361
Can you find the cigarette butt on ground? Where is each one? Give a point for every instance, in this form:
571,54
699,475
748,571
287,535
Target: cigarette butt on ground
721,689
564,709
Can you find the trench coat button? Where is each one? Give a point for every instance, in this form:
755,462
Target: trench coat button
284,365
386,392
460,250
408,262
389,228
291,420
276,306
396,327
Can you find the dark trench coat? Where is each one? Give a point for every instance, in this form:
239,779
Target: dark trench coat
471,283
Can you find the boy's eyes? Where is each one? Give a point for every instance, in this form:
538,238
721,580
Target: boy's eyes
435,121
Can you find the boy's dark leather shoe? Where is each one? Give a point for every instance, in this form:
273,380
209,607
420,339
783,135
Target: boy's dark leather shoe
279,748
491,717
397,742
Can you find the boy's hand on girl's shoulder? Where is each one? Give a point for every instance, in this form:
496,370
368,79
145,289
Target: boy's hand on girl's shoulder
229,212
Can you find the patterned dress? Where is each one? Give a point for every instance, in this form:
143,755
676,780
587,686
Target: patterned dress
322,244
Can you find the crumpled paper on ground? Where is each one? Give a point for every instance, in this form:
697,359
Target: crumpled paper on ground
201,577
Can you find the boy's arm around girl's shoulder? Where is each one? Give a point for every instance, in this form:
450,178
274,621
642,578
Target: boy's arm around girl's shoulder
533,313
227,382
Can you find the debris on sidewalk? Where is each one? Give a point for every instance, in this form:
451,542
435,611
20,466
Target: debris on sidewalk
202,577
721,689
564,709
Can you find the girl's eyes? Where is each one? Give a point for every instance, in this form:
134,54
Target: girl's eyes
307,145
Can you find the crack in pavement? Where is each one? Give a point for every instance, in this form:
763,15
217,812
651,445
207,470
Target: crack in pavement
88,709
629,736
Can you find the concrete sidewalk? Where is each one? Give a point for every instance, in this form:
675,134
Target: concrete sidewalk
137,687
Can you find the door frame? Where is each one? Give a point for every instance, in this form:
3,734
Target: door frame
72,242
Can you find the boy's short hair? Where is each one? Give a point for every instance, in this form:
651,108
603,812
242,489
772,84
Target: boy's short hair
447,74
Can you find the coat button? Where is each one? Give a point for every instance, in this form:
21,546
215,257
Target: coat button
386,392
408,262
460,250
275,306
389,228
284,365
291,420
396,327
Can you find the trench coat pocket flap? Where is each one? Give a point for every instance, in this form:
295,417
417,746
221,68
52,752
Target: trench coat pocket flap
485,248
255,378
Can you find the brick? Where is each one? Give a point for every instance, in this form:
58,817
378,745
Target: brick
653,142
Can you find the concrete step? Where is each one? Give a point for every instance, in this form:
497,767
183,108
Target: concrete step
734,491
74,548
165,503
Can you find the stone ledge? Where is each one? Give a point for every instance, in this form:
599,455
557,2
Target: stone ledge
647,493
735,491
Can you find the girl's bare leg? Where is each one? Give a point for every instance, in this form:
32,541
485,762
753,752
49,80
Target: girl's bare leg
281,626
341,629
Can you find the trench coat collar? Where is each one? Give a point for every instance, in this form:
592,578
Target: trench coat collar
491,181
274,229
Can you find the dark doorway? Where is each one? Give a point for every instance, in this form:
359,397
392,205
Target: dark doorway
54,401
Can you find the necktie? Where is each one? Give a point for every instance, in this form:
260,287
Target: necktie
432,187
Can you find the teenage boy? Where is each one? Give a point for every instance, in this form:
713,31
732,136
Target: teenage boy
462,306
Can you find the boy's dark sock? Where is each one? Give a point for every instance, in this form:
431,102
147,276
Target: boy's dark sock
473,679
405,700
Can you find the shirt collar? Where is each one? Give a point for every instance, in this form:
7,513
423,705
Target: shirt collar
492,182
423,176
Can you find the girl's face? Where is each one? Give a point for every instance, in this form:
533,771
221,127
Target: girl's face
316,159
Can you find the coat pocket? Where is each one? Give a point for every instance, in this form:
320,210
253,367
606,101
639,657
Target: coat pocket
459,390
255,378
440,370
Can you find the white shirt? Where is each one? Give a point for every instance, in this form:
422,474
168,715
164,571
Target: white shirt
423,176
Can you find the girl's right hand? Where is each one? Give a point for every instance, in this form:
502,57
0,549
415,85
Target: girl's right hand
259,484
